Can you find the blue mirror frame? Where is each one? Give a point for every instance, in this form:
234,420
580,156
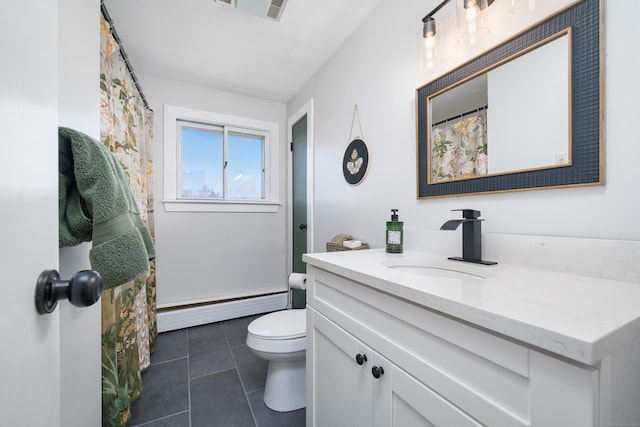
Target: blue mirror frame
587,150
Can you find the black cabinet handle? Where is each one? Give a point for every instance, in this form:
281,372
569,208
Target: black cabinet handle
302,226
82,290
361,358
377,371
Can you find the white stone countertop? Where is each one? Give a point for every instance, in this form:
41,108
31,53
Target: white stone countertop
579,317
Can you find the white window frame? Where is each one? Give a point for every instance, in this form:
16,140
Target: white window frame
172,200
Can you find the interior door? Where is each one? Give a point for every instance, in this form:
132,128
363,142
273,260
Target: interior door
299,185
30,357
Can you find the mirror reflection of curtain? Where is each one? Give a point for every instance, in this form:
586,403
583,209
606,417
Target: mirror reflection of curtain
459,148
129,310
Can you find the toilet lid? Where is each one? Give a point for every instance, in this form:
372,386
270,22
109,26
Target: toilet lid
286,324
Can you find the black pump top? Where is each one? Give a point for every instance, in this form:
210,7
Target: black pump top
394,214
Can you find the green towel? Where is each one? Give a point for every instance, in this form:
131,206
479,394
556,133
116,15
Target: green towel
96,204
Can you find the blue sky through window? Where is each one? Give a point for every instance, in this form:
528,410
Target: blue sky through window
245,167
202,164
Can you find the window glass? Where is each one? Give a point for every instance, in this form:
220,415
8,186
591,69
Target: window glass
218,162
202,163
245,166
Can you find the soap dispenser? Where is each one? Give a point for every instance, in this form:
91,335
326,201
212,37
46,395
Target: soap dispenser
394,233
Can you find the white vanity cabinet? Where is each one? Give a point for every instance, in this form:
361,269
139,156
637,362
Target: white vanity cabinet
356,386
438,371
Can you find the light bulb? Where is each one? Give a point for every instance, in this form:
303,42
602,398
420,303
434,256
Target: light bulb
430,50
472,25
430,54
430,41
471,13
430,47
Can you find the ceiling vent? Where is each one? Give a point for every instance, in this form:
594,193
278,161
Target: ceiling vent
271,9
275,9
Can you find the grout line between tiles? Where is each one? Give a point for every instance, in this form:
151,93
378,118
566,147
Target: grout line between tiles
188,378
214,372
170,360
146,423
244,389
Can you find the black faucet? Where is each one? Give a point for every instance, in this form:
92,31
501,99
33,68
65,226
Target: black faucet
471,236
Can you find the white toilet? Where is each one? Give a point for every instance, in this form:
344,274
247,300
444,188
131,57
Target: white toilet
280,338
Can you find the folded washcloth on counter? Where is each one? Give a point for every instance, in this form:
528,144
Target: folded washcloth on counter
96,204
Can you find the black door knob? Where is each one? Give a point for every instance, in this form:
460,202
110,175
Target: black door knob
302,226
377,371
82,290
361,358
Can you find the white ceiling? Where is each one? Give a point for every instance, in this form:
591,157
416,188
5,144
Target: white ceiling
210,44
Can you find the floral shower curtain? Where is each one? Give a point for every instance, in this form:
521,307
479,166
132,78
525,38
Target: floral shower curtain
459,149
128,311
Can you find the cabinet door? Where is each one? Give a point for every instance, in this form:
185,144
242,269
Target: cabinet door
341,392
563,394
400,400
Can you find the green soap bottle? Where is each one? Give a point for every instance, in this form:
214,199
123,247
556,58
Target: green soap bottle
394,234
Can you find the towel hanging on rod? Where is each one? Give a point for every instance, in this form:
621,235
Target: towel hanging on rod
96,205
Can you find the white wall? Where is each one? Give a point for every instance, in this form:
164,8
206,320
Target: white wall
79,108
208,256
377,70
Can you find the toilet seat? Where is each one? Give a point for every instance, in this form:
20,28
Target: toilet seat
280,325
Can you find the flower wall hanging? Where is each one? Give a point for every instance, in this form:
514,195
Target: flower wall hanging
355,161
356,157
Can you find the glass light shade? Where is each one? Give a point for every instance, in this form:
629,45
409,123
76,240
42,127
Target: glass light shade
524,6
472,21
430,52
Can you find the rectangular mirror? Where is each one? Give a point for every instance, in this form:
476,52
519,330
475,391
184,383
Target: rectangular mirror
525,115
468,139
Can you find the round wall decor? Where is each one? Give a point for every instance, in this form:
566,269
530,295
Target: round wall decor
355,162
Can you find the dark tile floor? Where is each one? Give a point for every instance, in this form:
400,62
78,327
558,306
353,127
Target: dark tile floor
207,376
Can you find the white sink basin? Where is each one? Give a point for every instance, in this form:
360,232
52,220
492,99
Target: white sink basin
433,268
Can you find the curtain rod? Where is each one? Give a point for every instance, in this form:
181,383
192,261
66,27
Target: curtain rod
107,18
459,116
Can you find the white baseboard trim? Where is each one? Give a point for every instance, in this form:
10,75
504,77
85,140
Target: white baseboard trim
194,316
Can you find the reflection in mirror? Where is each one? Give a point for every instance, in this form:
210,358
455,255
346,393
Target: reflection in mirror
513,116
542,117
458,140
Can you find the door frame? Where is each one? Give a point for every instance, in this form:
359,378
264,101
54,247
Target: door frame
306,109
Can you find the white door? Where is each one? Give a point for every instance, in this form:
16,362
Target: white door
30,355
400,400
341,377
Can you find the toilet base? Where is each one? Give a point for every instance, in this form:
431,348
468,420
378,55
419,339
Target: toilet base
285,389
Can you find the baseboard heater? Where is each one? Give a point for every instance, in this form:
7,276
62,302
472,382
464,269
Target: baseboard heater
172,318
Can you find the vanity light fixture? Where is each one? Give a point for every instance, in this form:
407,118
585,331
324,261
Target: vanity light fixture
472,20
431,55
472,26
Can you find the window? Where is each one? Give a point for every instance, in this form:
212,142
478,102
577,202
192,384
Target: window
219,163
